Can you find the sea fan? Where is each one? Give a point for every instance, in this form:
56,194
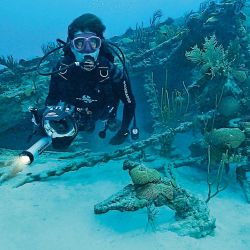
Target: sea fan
195,55
212,57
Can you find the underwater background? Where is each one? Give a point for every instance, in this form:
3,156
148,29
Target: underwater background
185,183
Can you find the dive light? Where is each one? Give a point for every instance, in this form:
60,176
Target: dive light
28,156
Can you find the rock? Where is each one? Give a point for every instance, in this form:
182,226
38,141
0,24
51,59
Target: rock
239,75
243,176
229,106
212,20
10,110
126,40
192,214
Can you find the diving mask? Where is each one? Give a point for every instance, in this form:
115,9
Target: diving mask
86,42
86,47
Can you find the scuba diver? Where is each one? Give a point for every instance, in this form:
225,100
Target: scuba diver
88,91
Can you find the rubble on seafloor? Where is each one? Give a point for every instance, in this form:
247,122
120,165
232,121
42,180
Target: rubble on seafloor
149,189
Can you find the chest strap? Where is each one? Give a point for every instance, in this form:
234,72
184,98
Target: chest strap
104,73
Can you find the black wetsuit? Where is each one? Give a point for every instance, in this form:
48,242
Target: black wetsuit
95,94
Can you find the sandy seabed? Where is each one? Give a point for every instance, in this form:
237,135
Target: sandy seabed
58,214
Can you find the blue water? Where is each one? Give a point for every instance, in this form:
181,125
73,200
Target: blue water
26,25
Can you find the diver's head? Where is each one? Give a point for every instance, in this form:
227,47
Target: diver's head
86,47
85,35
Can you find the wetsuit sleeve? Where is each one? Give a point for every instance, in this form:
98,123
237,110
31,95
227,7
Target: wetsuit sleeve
122,89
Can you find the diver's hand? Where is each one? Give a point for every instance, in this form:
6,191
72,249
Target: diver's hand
119,137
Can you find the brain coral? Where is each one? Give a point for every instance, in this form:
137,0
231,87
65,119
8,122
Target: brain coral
232,137
142,175
153,191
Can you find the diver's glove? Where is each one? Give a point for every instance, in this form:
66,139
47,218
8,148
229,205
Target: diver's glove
119,137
